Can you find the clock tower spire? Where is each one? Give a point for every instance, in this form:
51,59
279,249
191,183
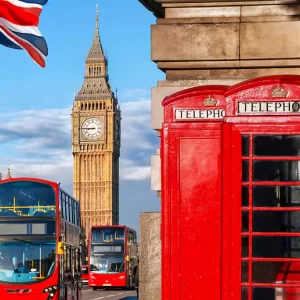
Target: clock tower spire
96,141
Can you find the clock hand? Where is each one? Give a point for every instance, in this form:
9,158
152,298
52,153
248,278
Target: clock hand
88,128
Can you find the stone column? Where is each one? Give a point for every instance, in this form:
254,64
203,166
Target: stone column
150,257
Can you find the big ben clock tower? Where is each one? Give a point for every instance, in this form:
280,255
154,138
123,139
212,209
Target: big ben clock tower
96,142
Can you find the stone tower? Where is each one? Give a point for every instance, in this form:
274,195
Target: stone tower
96,142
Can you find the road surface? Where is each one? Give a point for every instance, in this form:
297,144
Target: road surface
89,294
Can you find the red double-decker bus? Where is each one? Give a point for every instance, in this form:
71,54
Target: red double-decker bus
113,251
40,253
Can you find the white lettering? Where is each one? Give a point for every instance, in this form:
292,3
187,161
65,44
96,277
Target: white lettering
264,108
192,114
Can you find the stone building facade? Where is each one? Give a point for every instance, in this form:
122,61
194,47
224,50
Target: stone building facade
199,42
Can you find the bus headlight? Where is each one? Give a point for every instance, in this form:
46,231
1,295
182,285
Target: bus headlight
51,290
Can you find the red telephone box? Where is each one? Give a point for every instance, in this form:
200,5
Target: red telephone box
231,192
191,194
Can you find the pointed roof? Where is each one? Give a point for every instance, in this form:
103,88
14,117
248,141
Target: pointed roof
96,84
96,50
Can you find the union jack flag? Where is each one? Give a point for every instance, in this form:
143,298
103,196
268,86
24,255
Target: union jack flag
19,21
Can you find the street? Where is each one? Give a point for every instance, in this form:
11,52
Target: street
89,294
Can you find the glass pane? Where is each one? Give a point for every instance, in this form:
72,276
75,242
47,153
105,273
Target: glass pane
244,293
272,221
277,145
245,221
245,246
261,293
276,246
272,196
245,196
26,263
276,170
245,271
245,145
26,199
265,272
245,170
107,234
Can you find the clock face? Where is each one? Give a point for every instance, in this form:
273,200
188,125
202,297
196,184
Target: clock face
92,128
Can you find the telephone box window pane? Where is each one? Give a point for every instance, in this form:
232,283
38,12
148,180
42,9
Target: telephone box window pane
262,293
245,170
245,221
245,246
245,145
244,293
277,145
276,170
268,272
276,246
276,221
272,196
245,196
245,271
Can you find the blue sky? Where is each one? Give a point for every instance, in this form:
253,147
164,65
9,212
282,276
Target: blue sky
35,131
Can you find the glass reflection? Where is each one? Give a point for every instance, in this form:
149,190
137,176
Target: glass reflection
276,145
245,170
26,262
245,196
245,145
276,170
272,196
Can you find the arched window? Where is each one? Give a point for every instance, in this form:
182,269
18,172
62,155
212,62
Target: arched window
97,105
93,106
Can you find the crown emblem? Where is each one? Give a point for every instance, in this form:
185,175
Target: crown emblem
279,92
209,101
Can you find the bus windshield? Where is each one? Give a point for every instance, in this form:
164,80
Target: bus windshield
26,198
26,262
107,264
101,235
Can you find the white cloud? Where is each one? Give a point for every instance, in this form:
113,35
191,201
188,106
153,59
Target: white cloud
38,142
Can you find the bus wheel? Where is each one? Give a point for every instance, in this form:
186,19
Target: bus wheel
94,288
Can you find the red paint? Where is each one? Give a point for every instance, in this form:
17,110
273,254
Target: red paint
191,160
108,280
202,201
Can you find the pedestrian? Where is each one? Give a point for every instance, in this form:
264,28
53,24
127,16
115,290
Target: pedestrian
136,278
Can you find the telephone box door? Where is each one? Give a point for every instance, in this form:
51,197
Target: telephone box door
265,211
192,212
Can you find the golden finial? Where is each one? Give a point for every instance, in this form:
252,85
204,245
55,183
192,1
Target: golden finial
97,12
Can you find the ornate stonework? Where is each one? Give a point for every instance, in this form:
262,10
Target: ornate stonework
96,142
